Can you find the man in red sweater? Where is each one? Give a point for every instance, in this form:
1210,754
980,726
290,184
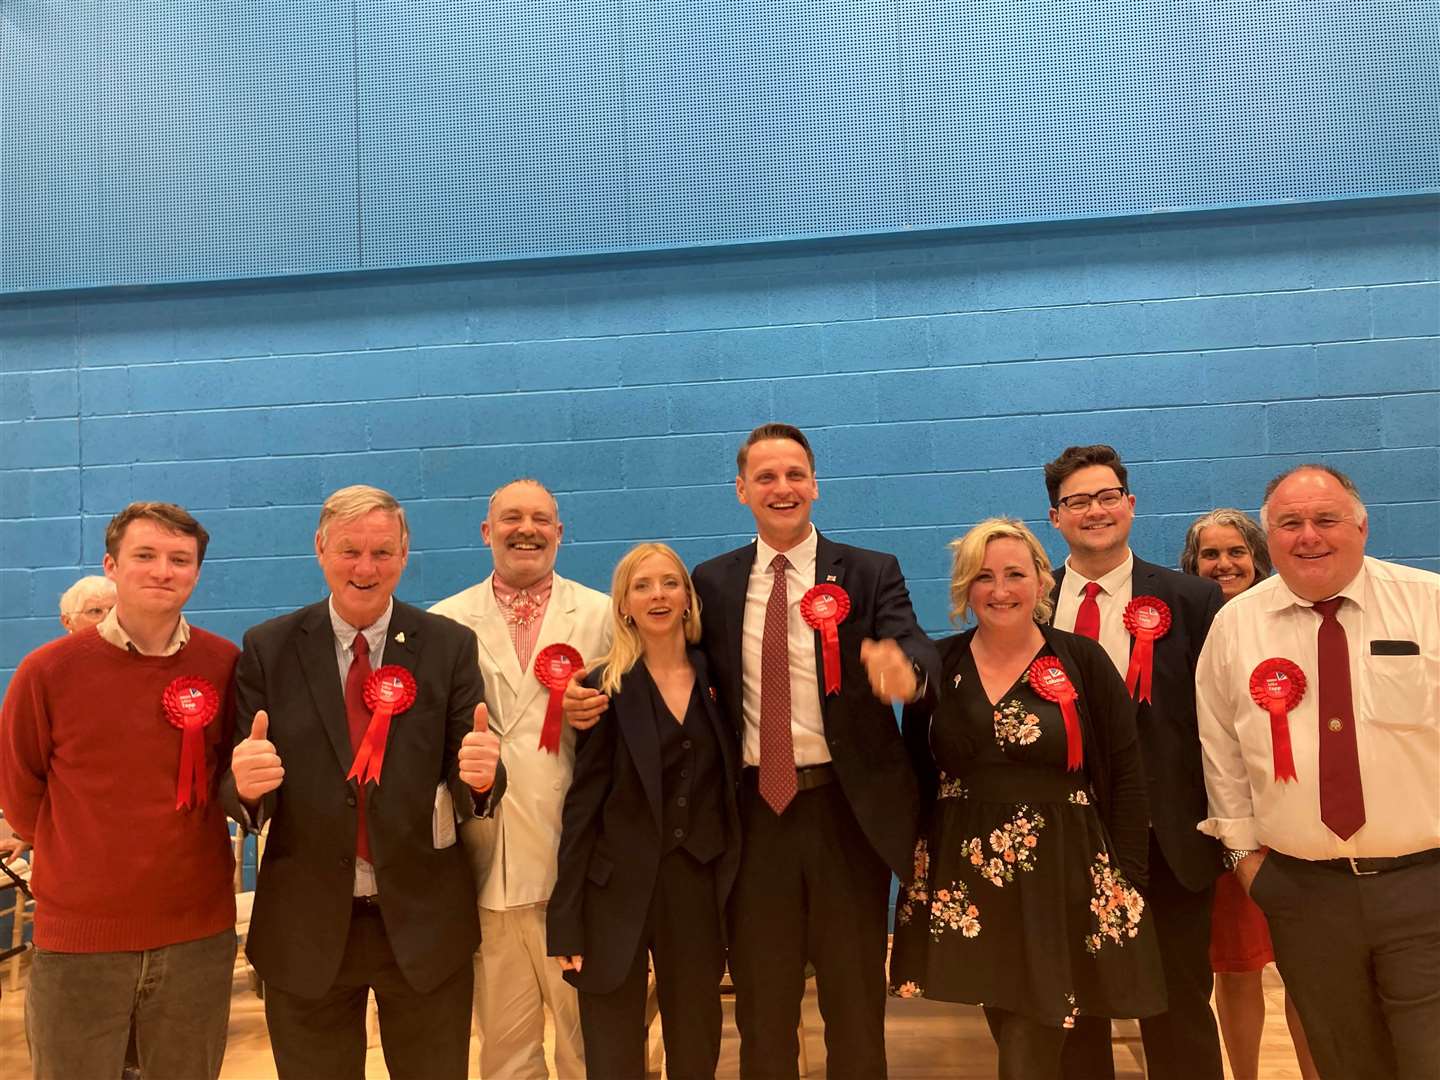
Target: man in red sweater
111,743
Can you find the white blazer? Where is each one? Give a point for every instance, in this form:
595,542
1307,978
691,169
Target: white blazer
513,852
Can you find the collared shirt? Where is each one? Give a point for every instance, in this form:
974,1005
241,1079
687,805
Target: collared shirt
1113,598
345,655
807,722
1396,700
109,629
524,613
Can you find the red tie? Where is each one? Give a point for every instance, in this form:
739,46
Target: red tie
1342,802
359,719
777,745
1087,619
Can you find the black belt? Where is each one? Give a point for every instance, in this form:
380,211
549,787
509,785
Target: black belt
1365,867
806,777
365,905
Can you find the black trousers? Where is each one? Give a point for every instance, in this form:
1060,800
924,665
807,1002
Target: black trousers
1028,1050
1361,960
1182,1043
423,1036
683,933
810,888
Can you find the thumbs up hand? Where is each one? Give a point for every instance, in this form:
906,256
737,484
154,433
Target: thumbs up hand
480,753
255,763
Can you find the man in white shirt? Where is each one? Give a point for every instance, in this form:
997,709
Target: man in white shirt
1319,704
1093,508
516,612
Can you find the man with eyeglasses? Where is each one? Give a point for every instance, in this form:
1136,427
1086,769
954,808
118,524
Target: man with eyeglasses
1093,508
1319,704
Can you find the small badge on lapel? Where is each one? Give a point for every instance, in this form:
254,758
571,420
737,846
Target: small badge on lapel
957,681
712,693
400,637
829,577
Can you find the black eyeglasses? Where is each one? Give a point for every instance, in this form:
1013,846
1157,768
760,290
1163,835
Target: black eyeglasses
1108,498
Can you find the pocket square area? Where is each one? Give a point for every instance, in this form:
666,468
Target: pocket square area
1394,648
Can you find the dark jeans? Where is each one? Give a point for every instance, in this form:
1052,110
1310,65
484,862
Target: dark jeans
1361,960
80,1007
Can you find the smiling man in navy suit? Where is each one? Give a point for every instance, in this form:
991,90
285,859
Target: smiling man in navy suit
1091,505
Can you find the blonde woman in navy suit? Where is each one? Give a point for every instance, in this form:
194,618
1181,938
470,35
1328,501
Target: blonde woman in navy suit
649,841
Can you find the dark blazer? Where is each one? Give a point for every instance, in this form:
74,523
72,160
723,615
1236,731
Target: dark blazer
1107,732
302,908
864,739
610,840
1169,734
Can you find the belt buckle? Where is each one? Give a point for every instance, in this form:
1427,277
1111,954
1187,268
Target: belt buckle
1355,869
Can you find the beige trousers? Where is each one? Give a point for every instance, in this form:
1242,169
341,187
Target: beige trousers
515,982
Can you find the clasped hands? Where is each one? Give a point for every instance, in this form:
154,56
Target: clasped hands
891,675
258,769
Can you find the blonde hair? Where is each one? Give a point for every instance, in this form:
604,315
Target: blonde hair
970,554
627,647
355,501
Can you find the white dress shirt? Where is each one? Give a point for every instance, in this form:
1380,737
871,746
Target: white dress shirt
1396,701
807,722
344,656
1113,598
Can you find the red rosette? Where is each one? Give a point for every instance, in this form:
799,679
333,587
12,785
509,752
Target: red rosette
1277,685
191,704
1048,678
388,691
825,607
554,665
1147,618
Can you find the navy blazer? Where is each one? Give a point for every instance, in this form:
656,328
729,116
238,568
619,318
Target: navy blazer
861,731
610,837
303,895
1169,733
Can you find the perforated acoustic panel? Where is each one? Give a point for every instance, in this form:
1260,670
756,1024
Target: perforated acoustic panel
190,140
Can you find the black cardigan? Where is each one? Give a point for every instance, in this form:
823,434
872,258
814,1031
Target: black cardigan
1107,729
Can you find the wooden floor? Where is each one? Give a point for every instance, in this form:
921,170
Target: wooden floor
925,1041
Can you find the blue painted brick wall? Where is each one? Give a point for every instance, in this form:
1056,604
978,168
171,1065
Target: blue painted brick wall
935,376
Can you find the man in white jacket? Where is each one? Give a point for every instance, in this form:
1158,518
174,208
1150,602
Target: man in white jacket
516,612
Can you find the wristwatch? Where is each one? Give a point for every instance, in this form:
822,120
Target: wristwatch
1234,856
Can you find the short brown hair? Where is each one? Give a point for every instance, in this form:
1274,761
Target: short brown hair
171,518
1076,458
773,431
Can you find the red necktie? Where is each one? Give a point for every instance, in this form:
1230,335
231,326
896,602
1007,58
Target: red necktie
1087,619
358,717
1342,802
777,745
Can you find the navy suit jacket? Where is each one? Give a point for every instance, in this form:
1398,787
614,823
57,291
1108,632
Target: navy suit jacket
861,731
1169,734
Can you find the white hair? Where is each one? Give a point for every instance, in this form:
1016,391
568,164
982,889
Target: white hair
72,600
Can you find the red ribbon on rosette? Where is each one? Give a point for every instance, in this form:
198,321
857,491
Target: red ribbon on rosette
1147,618
1047,677
554,665
825,607
191,704
388,692
1277,685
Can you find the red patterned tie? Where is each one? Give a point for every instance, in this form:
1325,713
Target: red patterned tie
777,745
1087,619
358,717
1342,802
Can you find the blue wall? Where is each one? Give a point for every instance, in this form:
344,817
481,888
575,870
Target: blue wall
934,376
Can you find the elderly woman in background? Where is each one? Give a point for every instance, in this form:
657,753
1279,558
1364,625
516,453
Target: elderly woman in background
1229,548
1026,892
86,603
649,840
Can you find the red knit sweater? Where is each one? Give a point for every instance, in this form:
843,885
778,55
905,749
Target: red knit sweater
88,768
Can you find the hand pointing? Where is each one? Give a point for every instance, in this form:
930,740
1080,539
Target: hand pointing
255,763
479,753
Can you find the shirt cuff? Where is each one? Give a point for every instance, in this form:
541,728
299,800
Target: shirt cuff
1237,834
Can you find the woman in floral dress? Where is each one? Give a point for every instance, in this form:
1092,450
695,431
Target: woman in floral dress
1026,896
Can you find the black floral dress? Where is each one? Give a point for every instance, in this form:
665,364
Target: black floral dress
1017,901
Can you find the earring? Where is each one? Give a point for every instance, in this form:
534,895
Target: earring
629,619
685,615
